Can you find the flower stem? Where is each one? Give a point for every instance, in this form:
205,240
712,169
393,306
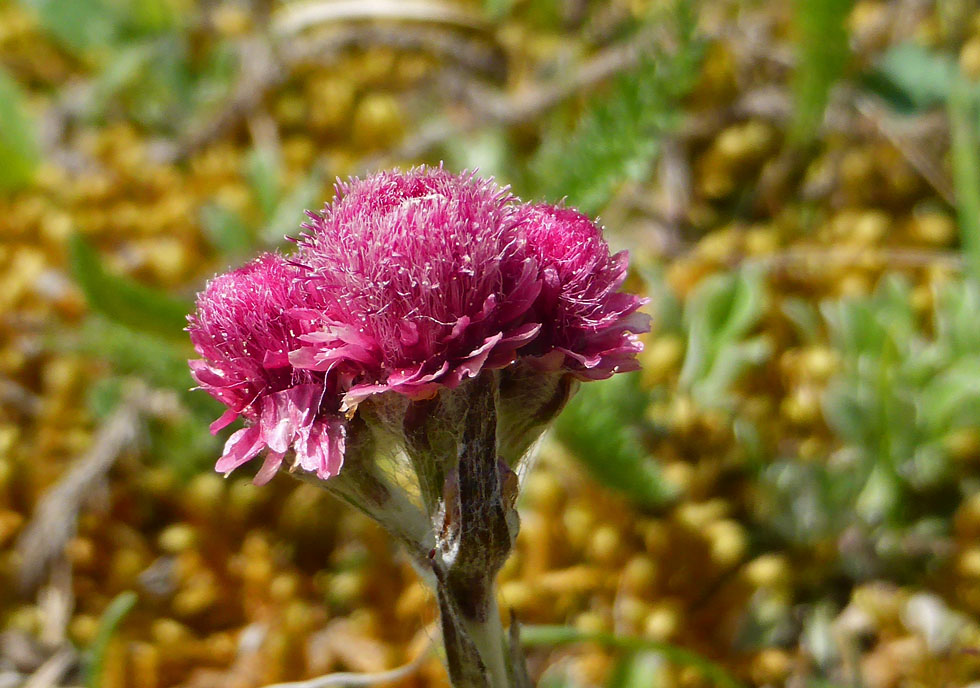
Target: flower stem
488,636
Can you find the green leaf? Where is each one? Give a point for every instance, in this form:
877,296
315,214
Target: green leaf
123,300
160,361
225,230
80,25
113,615
290,211
723,309
637,670
602,426
264,177
19,149
619,134
126,68
537,636
822,54
495,9
964,116
912,77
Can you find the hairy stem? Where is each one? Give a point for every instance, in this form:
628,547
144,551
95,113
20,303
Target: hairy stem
488,636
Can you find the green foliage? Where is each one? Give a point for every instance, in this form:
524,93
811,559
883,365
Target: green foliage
181,441
604,426
964,117
19,149
537,636
147,63
904,390
81,25
113,615
719,317
637,670
618,135
911,77
281,209
125,301
822,54
495,9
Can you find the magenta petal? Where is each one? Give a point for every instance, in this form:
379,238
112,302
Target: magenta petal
241,447
336,441
275,359
277,428
586,360
270,467
472,365
206,375
306,358
226,419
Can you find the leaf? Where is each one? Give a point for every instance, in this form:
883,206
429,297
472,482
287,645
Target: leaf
290,211
911,77
963,117
113,615
126,68
225,230
619,134
80,25
723,309
637,670
123,300
822,54
264,172
160,361
19,149
495,9
537,636
601,425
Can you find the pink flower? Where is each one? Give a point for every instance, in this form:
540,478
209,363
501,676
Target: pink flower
410,283
243,331
423,278
590,327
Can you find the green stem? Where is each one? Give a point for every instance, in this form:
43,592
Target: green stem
532,636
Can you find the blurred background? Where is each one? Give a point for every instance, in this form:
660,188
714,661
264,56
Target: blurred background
787,494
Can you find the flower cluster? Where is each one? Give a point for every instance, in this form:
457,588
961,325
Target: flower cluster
409,283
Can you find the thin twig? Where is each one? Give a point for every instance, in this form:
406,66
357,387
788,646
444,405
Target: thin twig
53,670
55,517
297,16
355,680
493,107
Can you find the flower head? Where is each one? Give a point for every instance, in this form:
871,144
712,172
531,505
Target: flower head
409,284
590,326
423,278
243,330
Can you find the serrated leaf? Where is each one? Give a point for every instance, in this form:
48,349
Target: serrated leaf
123,300
20,153
618,135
